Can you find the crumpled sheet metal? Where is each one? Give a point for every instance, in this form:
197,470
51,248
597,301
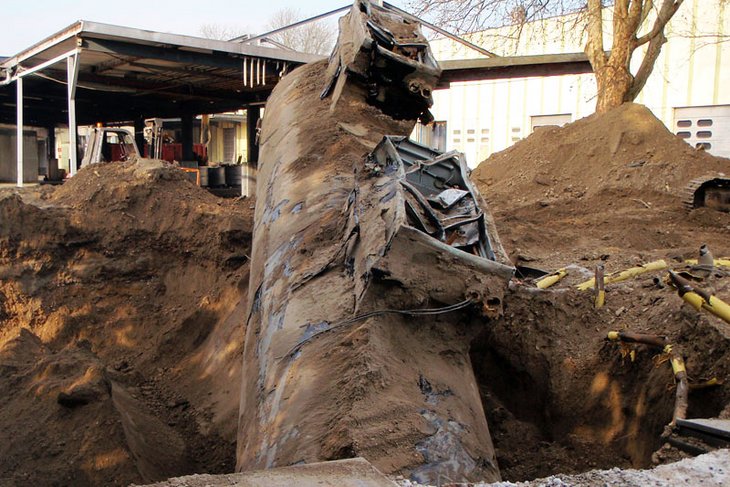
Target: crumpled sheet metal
420,241
389,56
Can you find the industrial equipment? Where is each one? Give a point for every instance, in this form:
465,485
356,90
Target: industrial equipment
711,191
106,144
153,136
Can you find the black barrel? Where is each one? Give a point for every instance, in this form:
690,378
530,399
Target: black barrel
233,175
190,164
216,177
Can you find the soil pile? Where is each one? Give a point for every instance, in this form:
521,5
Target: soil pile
627,148
121,327
601,186
605,189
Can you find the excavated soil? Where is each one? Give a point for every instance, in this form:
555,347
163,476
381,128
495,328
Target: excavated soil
607,186
121,334
122,295
605,189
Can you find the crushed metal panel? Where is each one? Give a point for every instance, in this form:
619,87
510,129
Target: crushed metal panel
440,200
380,50
434,232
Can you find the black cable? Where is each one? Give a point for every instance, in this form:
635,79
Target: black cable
370,314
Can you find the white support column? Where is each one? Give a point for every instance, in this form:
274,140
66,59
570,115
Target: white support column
72,78
19,121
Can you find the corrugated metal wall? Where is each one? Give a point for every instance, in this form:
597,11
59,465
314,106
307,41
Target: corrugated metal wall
488,116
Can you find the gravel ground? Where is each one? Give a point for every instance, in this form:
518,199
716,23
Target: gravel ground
712,469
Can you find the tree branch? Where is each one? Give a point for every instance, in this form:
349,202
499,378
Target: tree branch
635,14
668,9
647,65
594,46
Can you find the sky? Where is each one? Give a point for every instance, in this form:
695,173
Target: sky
25,22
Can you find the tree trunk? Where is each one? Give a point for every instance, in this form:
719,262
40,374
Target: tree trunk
613,84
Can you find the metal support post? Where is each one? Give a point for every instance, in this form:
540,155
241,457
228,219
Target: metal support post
253,114
139,134
19,121
72,78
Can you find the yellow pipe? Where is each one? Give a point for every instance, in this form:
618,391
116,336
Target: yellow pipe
716,306
694,299
708,383
551,279
718,262
625,274
677,364
699,299
600,298
675,359
600,286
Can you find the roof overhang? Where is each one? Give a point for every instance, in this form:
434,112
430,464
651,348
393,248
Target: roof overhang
58,43
156,74
513,67
148,73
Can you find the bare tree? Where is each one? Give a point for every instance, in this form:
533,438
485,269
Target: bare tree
636,24
315,38
220,32
616,84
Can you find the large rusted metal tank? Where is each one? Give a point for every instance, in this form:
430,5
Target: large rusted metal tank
353,232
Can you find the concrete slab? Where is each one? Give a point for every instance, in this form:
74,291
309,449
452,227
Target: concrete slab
355,472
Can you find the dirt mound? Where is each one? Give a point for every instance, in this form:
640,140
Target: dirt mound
604,187
121,298
626,148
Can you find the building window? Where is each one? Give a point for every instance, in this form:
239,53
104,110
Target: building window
229,144
704,134
704,123
684,135
684,123
557,120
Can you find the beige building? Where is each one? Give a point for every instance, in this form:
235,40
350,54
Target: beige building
689,89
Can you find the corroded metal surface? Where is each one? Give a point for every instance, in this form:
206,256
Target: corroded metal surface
328,373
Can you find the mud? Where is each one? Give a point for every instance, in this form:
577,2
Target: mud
558,397
120,327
